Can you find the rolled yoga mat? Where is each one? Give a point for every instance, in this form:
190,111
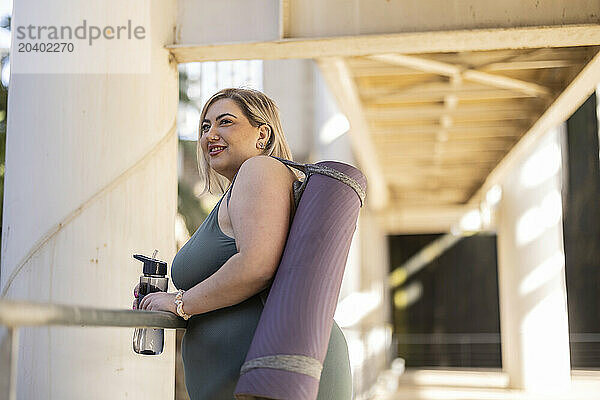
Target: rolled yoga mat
285,358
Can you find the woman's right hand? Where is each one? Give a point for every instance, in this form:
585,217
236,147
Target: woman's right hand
136,291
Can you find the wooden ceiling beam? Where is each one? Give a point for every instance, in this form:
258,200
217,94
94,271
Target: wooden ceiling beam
488,161
431,201
435,169
431,182
425,140
464,127
436,89
399,136
419,219
474,128
445,194
463,183
482,59
370,66
399,180
392,71
419,64
403,43
459,72
407,164
540,64
439,197
505,82
443,147
461,95
497,117
430,140
405,152
420,162
462,108
431,159
417,176
459,113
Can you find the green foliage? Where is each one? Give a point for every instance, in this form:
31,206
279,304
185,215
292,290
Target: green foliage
5,22
188,204
183,85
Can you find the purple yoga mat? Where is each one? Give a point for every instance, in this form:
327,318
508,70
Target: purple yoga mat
298,314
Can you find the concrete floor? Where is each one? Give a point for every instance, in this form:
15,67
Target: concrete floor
462,384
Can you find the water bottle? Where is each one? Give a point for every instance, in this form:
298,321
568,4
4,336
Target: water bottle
150,341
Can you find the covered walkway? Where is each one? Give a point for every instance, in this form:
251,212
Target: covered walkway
454,110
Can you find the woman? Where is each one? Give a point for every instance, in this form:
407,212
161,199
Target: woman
233,256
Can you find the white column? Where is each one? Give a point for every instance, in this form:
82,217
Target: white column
289,84
91,178
331,126
531,269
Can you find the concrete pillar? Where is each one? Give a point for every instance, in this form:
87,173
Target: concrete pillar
531,271
289,84
331,126
91,178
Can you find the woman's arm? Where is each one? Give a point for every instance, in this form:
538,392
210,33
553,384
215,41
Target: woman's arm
259,210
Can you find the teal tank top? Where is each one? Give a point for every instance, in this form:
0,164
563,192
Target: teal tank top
215,343
204,252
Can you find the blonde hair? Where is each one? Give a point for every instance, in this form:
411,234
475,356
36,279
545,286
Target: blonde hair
258,109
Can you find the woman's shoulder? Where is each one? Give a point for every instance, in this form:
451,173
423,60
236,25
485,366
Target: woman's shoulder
267,169
260,174
262,161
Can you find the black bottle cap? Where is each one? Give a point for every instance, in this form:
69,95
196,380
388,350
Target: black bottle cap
152,266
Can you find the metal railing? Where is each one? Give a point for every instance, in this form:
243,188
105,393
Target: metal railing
463,350
477,350
14,314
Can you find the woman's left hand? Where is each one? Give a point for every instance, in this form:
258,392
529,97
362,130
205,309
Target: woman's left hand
159,301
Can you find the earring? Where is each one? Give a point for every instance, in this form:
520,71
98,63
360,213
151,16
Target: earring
261,145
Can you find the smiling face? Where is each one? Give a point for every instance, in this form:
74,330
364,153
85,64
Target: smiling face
226,125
